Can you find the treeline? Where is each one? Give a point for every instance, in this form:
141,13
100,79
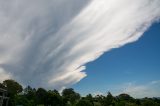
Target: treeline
41,97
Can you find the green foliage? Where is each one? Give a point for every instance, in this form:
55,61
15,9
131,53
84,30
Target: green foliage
41,97
22,100
125,97
54,99
109,100
2,86
84,102
90,99
13,87
30,93
70,96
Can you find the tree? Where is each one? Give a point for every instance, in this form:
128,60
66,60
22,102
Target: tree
56,92
30,94
13,87
41,96
125,97
84,102
148,102
90,99
2,86
109,100
70,95
138,102
99,99
54,99
22,100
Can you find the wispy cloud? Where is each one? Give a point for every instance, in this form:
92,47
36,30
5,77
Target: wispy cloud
47,43
150,89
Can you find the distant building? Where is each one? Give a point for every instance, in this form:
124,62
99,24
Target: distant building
3,97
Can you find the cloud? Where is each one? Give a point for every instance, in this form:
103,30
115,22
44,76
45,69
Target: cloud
155,82
4,75
48,43
151,89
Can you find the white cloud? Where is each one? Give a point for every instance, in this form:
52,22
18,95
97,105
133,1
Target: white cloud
149,89
155,82
47,43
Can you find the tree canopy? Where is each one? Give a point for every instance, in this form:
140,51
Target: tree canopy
41,97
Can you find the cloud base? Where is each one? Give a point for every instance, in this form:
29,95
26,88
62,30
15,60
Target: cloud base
48,43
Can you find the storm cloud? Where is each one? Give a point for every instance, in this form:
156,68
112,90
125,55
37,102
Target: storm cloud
47,43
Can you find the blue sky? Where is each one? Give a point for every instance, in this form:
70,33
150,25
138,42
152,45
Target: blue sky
137,62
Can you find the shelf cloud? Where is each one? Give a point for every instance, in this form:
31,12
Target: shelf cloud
47,43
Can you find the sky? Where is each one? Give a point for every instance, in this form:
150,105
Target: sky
49,43
133,69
